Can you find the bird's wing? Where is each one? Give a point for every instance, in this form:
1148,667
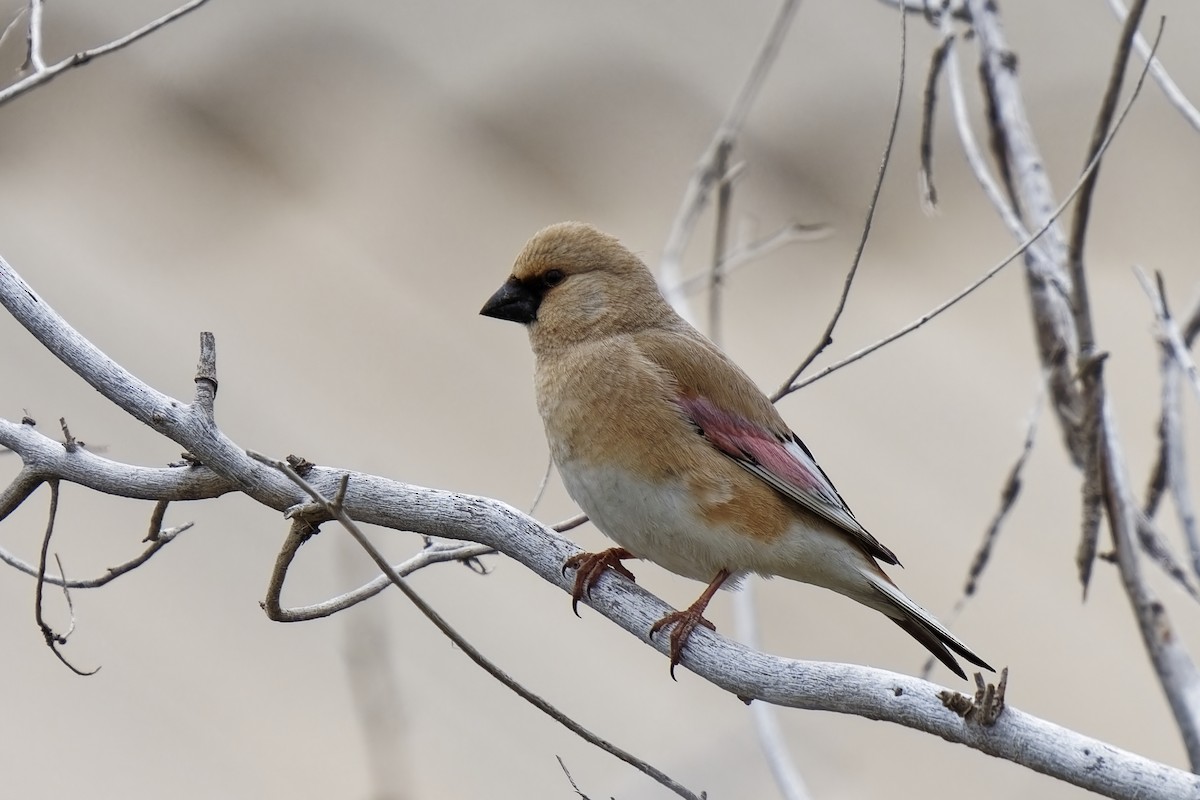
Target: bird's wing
782,461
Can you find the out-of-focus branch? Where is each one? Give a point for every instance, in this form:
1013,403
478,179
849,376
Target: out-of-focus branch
1088,423
33,37
1172,466
1171,90
42,74
1176,671
789,385
1089,358
1028,186
709,171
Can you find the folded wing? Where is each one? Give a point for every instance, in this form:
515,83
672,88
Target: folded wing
783,462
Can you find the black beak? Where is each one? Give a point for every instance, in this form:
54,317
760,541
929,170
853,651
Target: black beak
514,302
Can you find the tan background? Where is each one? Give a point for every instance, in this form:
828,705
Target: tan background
334,189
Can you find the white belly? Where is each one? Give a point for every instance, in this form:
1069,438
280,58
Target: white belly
658,523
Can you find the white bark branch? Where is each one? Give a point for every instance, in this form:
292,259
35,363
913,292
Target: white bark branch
707,174
1171,90
41,73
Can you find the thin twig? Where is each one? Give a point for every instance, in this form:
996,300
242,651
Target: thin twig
541,489
1176,671
338,513
33,38
1008,500
165,537
1083,206
765,716
569,523
1169,333
1174,94
936,62
1027,191
1089,360
1170,471
705,175
47,74
53,639
434,553
12,24
570,779
1154,545
746,254
826,339
991,273
720,237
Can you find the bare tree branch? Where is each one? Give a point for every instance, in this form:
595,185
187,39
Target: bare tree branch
33,38
826,338
1032,197
45,74
1177,672
1171,470
745,254
1094,442
323,508
1174,94
925,176
1092,495
54,640
706,174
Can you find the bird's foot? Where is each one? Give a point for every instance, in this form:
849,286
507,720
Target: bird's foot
685,622
590,566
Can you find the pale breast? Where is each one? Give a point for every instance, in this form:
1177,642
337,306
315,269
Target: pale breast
659,522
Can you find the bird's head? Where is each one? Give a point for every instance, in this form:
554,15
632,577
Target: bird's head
572,283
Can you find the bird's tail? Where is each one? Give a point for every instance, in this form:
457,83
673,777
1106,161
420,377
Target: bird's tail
921,625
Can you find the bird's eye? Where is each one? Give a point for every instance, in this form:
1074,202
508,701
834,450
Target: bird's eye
553,277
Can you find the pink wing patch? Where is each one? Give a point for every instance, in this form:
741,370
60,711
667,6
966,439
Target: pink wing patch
740,438
785,464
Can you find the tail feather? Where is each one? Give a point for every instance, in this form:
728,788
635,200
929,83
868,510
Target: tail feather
921,625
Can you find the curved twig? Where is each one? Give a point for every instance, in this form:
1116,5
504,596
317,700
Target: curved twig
46,74
826,339
336,510
1020,250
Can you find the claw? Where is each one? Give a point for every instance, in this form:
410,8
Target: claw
588,569
686,621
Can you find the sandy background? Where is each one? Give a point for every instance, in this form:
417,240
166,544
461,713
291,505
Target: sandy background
335,189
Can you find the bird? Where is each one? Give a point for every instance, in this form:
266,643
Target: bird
672,450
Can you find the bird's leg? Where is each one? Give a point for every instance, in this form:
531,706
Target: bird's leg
590,566
686,621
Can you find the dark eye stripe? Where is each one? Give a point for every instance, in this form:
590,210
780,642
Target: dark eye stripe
553,277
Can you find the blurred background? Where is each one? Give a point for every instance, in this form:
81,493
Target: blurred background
334,189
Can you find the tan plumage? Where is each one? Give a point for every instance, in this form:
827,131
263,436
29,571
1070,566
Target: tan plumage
672,450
